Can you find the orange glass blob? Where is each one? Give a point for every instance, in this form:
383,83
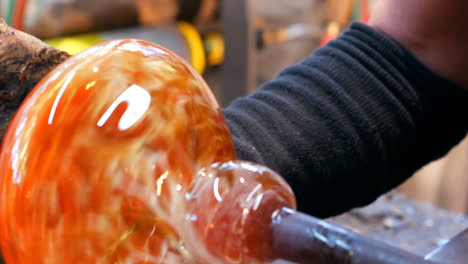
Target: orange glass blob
105,160
232,205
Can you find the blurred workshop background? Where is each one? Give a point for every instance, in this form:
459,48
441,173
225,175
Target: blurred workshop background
235,44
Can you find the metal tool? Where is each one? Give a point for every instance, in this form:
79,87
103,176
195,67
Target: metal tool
300,238
455,251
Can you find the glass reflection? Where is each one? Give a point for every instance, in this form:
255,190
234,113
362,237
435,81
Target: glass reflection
138,101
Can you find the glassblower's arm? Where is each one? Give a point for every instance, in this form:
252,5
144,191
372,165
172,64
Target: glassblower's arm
350,122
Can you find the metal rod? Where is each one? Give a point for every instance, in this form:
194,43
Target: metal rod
238,71
301,238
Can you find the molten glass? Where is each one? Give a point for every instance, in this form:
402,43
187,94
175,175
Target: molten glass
121,155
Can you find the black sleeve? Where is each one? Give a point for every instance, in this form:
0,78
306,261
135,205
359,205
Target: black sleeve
349,123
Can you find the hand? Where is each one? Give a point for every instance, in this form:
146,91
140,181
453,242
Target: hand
435,31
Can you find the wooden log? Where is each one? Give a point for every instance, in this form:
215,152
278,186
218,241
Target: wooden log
24,60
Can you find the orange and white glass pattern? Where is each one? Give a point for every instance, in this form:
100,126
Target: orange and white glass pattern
122,155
